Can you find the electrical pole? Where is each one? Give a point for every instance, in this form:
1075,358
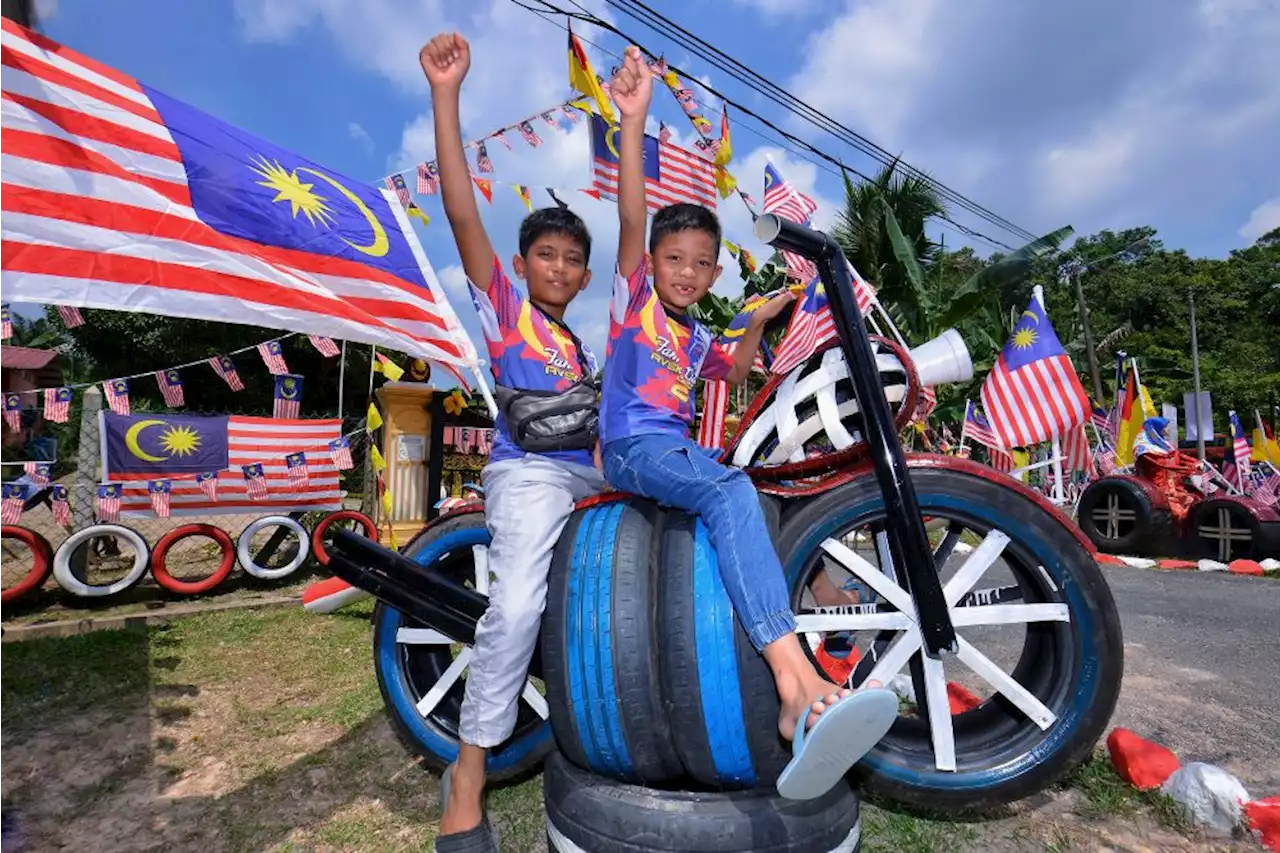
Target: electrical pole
1195,373
1090,352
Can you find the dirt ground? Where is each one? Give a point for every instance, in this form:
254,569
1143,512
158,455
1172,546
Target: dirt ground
263,730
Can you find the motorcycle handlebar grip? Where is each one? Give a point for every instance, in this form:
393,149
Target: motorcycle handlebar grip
785,234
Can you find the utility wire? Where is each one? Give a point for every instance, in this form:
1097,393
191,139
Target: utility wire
788,142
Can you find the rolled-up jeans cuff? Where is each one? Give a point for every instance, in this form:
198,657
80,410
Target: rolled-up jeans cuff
772,627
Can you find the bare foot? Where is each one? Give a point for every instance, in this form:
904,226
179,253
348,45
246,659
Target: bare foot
827,594
826,693
465,808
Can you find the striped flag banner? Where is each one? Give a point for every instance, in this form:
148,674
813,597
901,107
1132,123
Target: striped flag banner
226,368
159,492
38,472
61,503
208,483
140,448
170,388
671,174
71,316
14,500
109,501
273,357
296,465
340,453
325,346
57,405
117,395
6,323
117,196
1240,445
288,397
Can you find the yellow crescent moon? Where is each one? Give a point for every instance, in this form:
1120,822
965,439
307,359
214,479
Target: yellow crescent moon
131,441
609,136
378,248
648,318
524,324
288,390
768,180
1033,315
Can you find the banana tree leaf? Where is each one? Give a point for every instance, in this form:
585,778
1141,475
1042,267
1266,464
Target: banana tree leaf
1010,268
905,252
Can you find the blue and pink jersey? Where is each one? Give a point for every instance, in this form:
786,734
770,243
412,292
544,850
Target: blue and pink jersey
653,362
528,351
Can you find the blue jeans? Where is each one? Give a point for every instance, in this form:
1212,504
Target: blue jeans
676,472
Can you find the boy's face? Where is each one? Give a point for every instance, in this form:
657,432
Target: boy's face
555,270
684,267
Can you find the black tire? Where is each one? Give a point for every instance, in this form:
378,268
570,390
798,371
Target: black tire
718,691
1074,668
1216,526
591,814
1132,528
405,672
599,652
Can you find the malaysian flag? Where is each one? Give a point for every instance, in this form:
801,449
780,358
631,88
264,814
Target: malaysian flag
255,481
60,500
6,323
170,388
340,453
296,463
186,215
71,316
13,411
223,445
109,501
288,397
13,502
571,114
1032,393
810,326
159,491
117,395
784,200
1100,418
273,355
57,405
325,346
38,472
1077,450
208,483
501,136
226,368
1240,445
664,132
977,428
550,120
671,174
483,164
400,189
529,134
428,179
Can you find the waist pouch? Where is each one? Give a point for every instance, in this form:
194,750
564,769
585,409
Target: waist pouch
545,421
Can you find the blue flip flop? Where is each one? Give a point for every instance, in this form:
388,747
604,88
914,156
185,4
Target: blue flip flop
843,734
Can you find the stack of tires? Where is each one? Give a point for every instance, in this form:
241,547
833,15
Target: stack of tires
665,716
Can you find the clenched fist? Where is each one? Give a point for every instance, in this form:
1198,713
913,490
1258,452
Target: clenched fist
445,60
632,86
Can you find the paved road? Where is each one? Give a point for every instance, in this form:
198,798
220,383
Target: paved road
1202,668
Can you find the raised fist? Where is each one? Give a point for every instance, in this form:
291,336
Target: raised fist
632,86
445,60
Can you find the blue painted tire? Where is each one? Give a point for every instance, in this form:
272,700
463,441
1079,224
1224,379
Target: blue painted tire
599,653
1074,668
405,672
717,689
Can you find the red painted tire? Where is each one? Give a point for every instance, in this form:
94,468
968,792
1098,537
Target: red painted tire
317,535
161,551
42,555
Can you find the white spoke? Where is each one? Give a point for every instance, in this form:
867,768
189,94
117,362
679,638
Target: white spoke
935,691
870,575
428,703
985,669
480,556
422,637
1009,614
536,700
896,656
975,566
806,622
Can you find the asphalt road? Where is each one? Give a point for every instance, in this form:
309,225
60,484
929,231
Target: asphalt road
1202,668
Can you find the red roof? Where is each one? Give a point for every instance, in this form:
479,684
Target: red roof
25,358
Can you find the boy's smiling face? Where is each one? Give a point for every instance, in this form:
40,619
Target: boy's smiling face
555,269
685,267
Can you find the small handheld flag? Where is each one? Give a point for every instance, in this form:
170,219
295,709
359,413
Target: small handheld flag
288,396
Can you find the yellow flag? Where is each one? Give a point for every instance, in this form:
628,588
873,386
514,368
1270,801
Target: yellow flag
1265,449
379,464
725,182
1021,459
583,78
725,152
523,192
386,507
373,419
1135,407
387,367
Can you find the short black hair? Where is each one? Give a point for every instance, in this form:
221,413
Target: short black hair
683,217
554,220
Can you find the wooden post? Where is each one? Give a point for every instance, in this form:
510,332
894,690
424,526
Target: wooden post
88,460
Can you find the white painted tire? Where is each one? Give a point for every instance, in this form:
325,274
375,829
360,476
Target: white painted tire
72,584
246,539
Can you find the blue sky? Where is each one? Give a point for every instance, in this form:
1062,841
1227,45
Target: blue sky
1093,114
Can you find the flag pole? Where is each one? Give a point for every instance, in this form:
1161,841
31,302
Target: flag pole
373,360
963,434
342,374
1195,373
1059,497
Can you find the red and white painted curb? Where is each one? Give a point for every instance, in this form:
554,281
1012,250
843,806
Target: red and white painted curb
1235,567
331,594
1211,798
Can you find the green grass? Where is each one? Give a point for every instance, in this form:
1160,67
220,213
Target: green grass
886,831
1107,795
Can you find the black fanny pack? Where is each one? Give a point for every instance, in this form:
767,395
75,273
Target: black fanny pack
547,421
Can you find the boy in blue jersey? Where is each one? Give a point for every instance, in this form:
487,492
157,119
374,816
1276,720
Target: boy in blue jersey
529,496
656,355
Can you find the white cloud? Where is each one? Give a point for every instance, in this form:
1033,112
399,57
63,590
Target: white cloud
361,136
1264,218
780,8
46,9
454,280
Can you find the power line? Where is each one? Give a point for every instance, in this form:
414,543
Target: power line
758,83
788,142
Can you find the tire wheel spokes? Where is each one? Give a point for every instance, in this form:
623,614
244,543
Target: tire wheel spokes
896,642
1115,518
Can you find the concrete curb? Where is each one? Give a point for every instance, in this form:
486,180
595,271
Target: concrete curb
72,627
1251,568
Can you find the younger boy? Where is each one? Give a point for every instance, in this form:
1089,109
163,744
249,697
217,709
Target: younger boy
529,495
656,354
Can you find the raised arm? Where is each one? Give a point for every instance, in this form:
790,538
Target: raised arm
749,343
445,60
632,89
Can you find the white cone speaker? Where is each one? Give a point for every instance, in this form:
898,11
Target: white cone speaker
943,359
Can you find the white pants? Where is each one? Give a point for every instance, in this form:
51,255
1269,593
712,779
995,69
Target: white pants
527,502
